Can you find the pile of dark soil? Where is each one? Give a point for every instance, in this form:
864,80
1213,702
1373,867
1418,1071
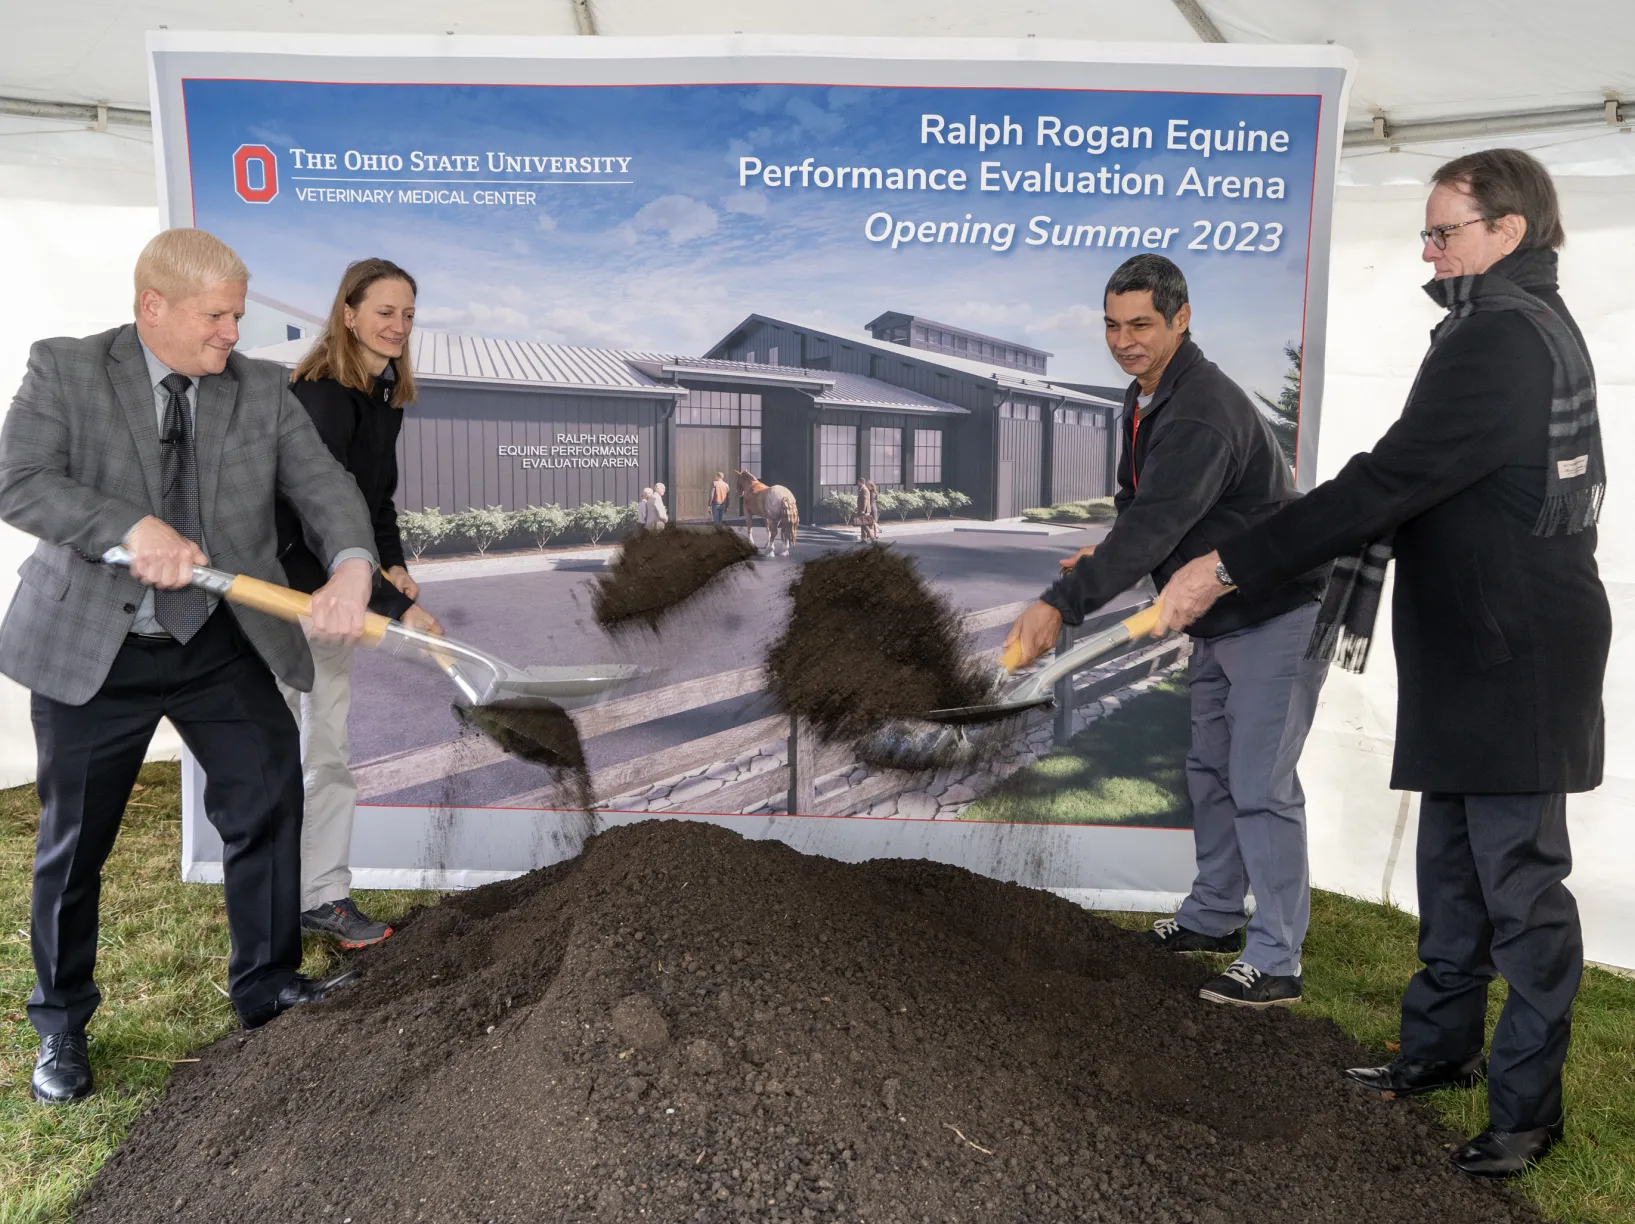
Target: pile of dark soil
541,733
658,571
683,1025
869,642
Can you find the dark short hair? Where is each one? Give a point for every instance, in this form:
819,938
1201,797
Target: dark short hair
1158,276
1503,182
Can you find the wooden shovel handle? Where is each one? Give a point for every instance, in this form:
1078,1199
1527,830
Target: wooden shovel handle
1139,625
291,605
1013,657
1143,622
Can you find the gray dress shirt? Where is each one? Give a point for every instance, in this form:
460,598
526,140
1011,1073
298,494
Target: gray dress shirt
146,622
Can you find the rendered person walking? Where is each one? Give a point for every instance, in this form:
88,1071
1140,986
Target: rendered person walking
868,510
1486,492
1198,462
354,384
661,513
719,493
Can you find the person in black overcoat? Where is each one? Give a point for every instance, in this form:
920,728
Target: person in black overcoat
1501,629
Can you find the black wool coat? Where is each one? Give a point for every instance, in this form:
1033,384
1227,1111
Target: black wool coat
1501,636
360,429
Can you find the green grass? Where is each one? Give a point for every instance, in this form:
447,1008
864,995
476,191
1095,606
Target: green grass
163,961
162,967
1357,958
1129,769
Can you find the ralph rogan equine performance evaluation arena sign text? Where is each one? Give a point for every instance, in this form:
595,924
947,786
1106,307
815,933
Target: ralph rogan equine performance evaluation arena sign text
648,261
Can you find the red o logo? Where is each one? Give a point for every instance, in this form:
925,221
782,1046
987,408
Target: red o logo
255,173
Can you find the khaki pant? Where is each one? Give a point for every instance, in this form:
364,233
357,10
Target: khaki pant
326,768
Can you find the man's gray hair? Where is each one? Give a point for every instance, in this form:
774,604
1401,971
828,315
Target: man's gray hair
1156,275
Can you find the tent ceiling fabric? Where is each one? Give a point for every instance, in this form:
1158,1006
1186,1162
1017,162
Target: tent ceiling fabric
94,50
1456,58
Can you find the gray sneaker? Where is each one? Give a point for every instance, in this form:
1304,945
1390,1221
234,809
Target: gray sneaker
350,926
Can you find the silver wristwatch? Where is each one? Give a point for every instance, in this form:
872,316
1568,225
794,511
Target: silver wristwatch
1221,575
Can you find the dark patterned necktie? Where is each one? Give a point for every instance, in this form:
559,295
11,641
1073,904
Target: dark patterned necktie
183,612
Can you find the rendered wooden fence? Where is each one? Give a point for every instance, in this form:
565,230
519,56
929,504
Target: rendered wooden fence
808,760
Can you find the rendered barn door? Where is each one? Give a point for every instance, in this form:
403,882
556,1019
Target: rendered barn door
701,452
1021,448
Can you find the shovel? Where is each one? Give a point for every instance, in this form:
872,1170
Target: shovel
481,678
943,738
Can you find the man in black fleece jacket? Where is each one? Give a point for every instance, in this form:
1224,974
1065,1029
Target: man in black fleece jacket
1198,465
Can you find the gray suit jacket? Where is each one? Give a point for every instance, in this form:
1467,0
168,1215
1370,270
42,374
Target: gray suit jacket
79,466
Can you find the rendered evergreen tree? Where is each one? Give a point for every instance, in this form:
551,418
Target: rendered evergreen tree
1283,413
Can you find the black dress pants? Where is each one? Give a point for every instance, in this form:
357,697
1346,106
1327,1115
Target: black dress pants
1492,901
226,706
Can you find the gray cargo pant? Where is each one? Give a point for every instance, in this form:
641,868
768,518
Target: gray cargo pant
1253,697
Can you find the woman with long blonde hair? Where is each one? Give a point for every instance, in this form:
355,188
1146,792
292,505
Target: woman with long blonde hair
354,383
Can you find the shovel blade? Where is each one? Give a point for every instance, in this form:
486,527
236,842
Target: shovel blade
996,711
578,680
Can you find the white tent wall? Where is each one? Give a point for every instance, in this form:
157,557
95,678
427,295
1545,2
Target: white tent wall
75,209
73,216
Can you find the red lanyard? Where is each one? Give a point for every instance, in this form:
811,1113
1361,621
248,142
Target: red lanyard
1135,430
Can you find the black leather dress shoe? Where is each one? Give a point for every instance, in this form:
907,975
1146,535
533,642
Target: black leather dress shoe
62,1072
1403,1077
300,990
1497,1153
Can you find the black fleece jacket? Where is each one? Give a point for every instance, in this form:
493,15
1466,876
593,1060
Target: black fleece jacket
360,428
1198,465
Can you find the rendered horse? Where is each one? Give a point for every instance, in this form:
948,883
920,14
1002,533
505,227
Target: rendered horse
775,505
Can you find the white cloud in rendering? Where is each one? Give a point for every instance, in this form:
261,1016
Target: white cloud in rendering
680,217
476,316
750,203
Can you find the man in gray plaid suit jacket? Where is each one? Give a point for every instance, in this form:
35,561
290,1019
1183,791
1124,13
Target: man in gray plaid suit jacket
156,435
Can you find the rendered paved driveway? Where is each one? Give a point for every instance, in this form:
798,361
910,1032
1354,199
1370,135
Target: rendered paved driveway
544,617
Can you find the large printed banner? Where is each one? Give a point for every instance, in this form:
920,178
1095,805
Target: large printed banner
646,262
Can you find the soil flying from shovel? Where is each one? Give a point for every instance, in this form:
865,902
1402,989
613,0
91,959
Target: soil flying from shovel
541,733
869,643
658,571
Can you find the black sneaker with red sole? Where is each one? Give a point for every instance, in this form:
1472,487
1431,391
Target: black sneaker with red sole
344,922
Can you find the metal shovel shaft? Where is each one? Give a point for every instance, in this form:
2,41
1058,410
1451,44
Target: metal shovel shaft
502,680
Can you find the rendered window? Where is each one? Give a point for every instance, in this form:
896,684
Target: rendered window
885,456
928,456
837,454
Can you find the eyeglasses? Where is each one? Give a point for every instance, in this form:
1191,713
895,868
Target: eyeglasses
1438,234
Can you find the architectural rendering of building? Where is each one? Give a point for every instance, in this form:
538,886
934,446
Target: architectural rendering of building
516,423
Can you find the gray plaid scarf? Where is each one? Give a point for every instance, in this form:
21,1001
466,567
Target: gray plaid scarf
1575,477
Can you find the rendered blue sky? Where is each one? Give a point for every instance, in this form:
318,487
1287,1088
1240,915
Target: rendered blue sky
673,260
